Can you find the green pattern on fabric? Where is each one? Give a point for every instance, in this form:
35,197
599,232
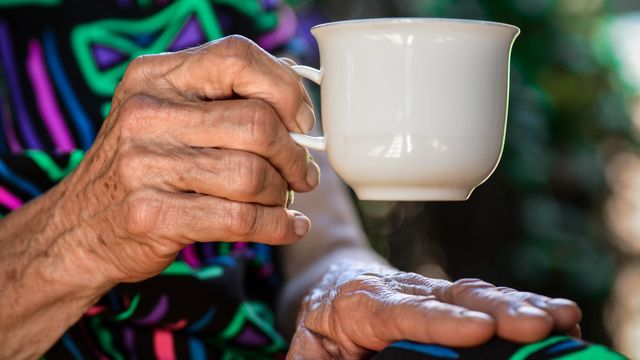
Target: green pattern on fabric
145,4
113,33
265,21
593,352
105,108
8,3
224,248
209,272
249,312
53,171
527,350
105,338
181,268
132,308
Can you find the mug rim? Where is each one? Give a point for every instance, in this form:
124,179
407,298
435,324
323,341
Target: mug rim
414,20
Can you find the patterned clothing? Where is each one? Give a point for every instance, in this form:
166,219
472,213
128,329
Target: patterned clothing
554,347
60,61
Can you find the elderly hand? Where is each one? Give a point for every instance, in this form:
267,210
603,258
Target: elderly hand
195,148
356,310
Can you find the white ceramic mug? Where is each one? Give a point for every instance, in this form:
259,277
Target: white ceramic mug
412,109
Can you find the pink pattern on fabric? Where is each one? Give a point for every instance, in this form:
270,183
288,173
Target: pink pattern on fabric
287,27
190,257
179,325
95,310
45,99
163,345
8,199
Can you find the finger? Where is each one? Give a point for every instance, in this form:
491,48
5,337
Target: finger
307,345
233,66
566,314
289,61
575,332
248,125
376,319
231,174
187,218
517,320
424,319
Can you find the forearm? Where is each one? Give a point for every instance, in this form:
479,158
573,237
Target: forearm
46,281
336,235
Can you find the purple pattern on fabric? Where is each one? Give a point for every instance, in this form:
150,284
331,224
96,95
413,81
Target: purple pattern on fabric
266,270
24,121
226,21
125,4
129,337
46,101
106,57
270,4
158,312
208,252
287,26
304,45
250,336
190,257
190,35
7,124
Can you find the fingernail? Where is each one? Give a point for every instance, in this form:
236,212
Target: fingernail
530,311
560,302
313,173
301,224
476,315
305,118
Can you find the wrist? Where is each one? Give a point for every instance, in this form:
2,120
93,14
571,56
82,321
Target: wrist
335,266
44,242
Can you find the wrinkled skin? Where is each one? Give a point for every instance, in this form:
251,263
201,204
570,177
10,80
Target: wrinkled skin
357,309
191,153
196,148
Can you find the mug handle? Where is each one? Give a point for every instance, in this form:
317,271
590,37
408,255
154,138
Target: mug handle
311,142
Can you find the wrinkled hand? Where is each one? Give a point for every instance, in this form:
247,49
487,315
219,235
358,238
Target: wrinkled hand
195,148
355,311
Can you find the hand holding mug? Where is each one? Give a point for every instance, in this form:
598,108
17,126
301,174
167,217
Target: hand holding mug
195,148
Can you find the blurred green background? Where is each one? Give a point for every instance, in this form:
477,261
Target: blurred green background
558,215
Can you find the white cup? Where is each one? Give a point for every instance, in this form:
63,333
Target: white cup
412,109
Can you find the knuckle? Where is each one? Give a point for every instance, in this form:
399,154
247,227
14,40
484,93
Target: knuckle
236,49
252,174
236,43
137,69
135,110
261,125
241,219
141,212
350,296
362,283
299,164
132,162
409,277
465,287
281,230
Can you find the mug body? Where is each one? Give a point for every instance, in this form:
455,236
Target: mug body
414,109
